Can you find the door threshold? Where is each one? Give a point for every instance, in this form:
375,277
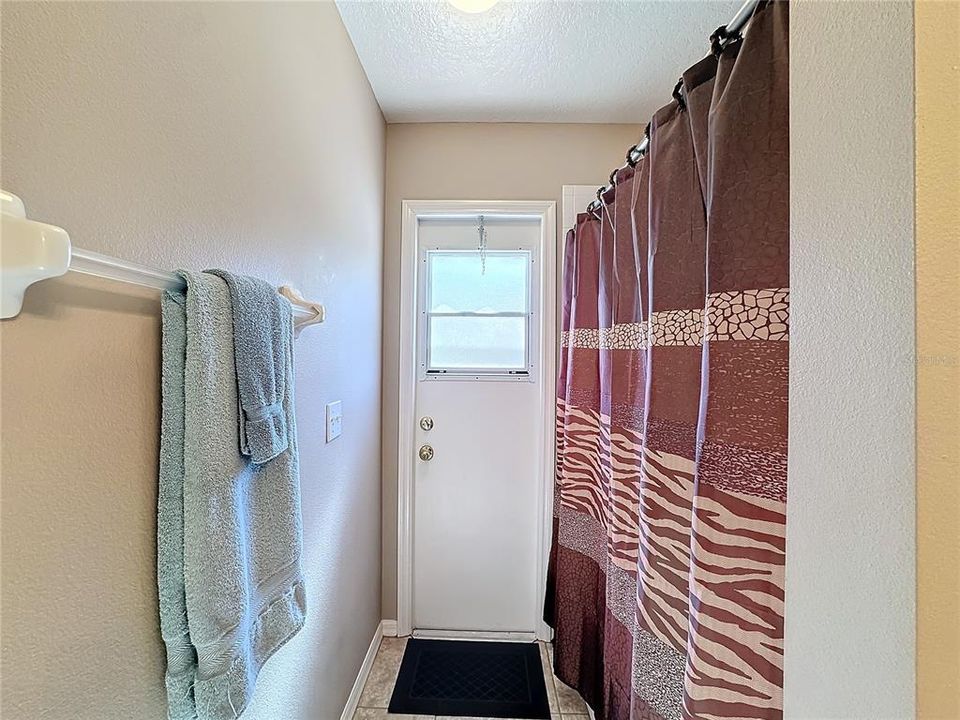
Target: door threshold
479,635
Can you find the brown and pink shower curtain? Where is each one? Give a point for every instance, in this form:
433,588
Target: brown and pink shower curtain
666,577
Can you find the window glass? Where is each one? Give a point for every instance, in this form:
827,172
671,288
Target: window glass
460,283
478,343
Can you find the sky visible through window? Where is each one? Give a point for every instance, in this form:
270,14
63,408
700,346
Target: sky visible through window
457,285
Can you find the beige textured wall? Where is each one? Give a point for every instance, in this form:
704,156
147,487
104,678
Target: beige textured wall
850,599
937,27
196,135
472,161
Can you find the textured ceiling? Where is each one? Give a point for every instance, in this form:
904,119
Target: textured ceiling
603,61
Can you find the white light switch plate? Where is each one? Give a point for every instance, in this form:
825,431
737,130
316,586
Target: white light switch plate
334,420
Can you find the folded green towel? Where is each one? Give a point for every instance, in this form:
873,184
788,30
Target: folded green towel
262,328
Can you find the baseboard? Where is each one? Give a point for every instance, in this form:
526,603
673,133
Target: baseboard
389,628
354,698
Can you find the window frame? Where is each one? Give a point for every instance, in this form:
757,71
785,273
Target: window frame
508,374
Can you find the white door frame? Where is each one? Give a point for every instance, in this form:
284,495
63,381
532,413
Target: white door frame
412,210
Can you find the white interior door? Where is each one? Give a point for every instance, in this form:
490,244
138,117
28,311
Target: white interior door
477,498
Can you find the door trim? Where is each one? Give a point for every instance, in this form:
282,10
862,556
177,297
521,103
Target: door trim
412,210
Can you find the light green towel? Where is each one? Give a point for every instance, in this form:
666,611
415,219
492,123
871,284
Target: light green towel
181,656
228,560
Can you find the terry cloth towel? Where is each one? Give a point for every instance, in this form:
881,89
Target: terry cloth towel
229,529
262,326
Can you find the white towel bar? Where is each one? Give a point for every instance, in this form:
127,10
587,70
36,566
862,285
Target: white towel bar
33,251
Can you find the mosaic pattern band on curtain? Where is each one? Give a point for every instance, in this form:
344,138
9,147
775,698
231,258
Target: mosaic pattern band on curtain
665,587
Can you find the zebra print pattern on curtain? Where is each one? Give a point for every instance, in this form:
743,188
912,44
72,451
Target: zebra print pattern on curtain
666,576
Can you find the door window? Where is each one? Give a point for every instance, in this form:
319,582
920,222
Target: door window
477,313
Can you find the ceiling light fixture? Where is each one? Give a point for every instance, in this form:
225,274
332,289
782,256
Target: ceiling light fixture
473,6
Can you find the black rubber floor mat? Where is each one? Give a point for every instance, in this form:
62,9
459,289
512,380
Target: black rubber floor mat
471,679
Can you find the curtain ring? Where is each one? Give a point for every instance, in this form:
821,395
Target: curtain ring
716,40
678,96
721,37
635,150
613,177
601,191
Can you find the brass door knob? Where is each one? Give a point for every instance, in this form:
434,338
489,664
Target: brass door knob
426,453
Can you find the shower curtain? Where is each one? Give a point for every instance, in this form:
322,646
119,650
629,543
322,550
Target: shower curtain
665,587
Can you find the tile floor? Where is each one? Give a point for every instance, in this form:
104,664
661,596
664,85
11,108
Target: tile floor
565,703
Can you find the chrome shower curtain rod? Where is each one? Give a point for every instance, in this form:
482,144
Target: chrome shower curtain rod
720,37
